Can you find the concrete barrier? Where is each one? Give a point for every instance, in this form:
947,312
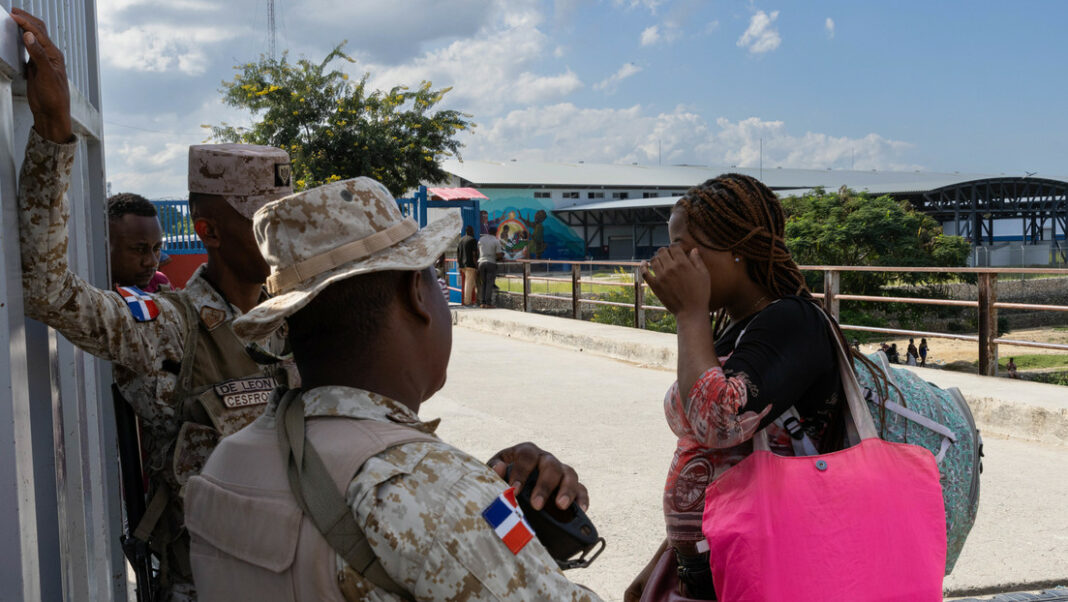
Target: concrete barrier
1012,408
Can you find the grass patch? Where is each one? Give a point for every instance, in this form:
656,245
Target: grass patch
1035,361
1054,378
541,287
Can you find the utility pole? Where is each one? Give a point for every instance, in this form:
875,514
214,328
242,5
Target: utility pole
761,158
270,29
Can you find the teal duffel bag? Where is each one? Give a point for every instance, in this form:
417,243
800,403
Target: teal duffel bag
907,409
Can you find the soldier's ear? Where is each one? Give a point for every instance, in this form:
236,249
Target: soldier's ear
208,232
414,295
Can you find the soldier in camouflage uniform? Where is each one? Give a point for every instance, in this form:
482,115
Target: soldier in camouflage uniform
371,335
177,361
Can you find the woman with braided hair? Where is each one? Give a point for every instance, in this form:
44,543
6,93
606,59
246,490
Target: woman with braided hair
753,345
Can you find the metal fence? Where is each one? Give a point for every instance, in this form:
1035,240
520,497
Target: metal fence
179,238
986,305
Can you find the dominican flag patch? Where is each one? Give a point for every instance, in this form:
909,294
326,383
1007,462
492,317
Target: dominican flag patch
507,520
142,305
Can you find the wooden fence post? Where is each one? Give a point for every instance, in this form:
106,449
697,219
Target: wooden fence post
988,324
526,287
639,298
831,284
576,291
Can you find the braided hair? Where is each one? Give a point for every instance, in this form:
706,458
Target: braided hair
739,214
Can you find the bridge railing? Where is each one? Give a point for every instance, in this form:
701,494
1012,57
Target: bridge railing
572,280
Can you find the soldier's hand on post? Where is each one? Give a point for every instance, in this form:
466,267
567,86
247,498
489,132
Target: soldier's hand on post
553,475
46,80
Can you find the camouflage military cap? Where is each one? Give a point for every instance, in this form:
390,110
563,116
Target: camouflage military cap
314,238
246,175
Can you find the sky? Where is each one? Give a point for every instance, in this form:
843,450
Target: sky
975,87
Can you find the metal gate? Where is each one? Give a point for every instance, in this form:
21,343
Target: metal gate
59,499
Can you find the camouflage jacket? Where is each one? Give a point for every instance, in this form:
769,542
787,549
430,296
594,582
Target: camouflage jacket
420,505
147,355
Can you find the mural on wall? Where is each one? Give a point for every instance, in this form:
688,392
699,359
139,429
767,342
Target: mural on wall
526,227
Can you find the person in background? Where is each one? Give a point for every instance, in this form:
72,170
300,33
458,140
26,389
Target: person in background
489,252
1012,369
911,354
442,270
892,354
159,282
467,260
923,352
135,241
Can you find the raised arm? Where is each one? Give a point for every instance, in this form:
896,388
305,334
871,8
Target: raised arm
97,321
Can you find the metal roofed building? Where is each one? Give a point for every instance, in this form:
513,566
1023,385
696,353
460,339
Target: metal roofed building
620,211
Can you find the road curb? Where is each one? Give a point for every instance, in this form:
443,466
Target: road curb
1011,408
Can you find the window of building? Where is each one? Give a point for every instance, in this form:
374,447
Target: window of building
595,195
571,195
620,195
650,195
543,195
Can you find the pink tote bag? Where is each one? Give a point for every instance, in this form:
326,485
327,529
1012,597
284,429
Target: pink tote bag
865,523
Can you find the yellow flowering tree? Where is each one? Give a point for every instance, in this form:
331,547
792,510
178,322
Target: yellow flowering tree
335,128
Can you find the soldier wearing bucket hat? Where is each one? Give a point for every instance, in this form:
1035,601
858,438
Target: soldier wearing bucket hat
364,502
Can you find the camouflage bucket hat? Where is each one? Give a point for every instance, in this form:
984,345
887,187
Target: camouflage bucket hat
315,238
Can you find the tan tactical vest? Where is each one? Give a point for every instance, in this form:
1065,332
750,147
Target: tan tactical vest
249,539
221,390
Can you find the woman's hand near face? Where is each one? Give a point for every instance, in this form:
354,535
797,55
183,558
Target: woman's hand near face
680,280
682,283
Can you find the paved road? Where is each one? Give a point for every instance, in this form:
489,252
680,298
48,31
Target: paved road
605,418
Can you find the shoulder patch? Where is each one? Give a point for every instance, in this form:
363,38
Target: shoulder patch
142,305
506,519
212,317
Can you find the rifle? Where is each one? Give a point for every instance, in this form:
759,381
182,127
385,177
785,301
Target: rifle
133,491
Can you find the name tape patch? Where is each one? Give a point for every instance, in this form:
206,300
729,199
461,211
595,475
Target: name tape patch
506,519
244,392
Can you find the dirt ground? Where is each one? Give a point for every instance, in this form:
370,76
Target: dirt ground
945,351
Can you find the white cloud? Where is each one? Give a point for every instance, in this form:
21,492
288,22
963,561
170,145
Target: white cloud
711,26
761,36
739,143
650,36
564,132
610,83
160,47
651,5
829,26
492,68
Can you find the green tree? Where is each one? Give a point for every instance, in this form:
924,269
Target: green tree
854,229
335,129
